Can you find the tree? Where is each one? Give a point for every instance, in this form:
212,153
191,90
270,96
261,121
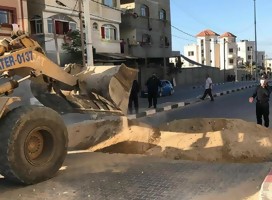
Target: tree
72,45
174,68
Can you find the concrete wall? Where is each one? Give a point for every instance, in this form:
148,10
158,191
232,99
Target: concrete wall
192,76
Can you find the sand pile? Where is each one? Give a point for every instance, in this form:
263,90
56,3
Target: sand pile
223,140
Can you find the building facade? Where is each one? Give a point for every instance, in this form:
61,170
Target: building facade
49,16
146,29
207,42
222,51
228,51
13,14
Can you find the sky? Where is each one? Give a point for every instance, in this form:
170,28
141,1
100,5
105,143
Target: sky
235,16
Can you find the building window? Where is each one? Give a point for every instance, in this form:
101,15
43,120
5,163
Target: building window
144,11
110,3
210,50
6,16
72,26
239,49
95,26
231,50
190,53
36,25
162,14
249,48
230,61
202,42
249,57
164,41
50,25
146,39
62,27
210,61
108,32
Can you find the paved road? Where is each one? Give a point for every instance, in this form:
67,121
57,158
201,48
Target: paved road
183,93
98,176
234,105
117,176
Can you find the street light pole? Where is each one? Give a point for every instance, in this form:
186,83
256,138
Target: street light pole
256,53
224,58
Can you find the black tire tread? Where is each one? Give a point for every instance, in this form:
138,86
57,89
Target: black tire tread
7,125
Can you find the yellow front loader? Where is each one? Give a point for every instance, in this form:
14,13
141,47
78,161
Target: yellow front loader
33,139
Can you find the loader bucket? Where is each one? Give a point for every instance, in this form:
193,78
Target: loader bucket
111,82
101,88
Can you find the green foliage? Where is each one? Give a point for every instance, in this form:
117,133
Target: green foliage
72,45
175,68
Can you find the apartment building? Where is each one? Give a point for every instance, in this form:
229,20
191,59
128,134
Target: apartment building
13,13
191,53
146,30
222,51
207,42
45,16
246,51
228,51
205,51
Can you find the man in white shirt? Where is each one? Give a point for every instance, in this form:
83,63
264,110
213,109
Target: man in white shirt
208,88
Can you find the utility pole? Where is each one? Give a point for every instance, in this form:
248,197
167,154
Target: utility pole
236,66
224,58
56,41
251,62
88,29
256,53
265,64
164,59
81,32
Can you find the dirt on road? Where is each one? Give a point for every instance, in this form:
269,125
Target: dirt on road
199,139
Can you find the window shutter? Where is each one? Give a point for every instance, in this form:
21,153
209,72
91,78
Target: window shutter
103,32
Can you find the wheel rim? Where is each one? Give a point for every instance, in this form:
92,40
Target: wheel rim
38,146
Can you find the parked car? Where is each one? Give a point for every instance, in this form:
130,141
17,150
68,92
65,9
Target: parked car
167,89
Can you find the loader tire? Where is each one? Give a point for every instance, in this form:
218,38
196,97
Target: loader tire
33,144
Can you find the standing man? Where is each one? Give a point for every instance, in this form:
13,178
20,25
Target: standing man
133,97
262,94
208,88
153,84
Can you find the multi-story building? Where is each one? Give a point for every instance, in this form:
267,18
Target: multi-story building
246,51
191,51
222,51
261,58
146,30
228,51
13,14
208,50
49,16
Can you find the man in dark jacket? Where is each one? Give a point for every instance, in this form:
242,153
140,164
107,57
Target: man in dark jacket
133,97
262,94
153,84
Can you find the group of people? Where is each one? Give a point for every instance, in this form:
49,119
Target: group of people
261,94
153,84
